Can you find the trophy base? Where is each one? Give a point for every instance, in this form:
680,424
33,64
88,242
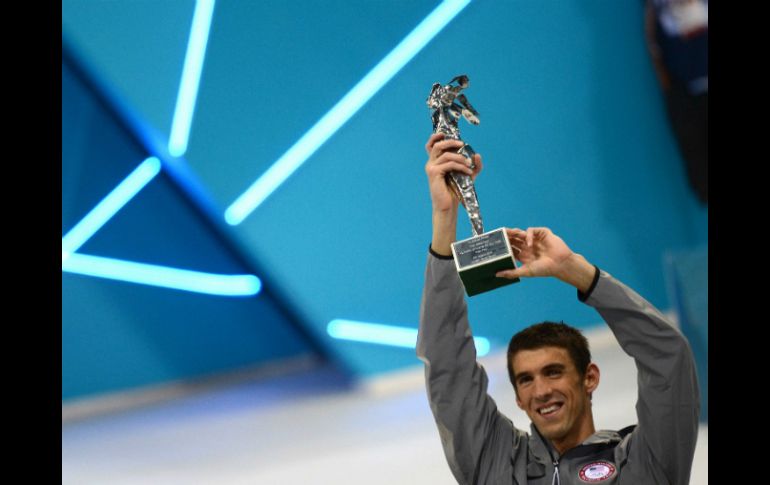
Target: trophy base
479,258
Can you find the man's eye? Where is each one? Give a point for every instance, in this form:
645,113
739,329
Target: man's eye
554,373
524,380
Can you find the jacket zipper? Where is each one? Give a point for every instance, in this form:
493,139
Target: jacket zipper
556,480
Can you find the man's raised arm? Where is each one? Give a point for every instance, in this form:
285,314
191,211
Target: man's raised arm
476,438
663,444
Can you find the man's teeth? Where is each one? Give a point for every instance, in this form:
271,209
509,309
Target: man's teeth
550,409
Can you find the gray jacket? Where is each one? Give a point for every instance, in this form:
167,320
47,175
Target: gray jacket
482,445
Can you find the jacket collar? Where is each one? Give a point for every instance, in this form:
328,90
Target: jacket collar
603,436
543,451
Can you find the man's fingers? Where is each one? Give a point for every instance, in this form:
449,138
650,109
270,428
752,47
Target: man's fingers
515,232
522,271
452,166
448,162
530,236
510,273
445,158
434,138
444,145
452,157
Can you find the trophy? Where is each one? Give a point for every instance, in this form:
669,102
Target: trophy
480,257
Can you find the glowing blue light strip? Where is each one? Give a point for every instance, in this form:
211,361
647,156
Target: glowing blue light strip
112,203
191,75
343,110
148,274
153,275
386,335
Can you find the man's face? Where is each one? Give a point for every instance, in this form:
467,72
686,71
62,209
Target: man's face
554,395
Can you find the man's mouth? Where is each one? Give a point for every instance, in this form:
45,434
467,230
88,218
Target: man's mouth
550,409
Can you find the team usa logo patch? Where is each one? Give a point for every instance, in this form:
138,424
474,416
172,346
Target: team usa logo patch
597,471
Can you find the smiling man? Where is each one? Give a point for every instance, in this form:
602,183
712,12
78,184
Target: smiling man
543,363
550,369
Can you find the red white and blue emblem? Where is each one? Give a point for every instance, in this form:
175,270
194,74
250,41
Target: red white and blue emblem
597,471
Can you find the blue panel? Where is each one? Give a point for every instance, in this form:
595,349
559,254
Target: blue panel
139,46
265,87
118,335
573,134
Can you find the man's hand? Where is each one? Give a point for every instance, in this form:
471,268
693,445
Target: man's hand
443,158
543,253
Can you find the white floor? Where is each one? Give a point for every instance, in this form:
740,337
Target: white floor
310,429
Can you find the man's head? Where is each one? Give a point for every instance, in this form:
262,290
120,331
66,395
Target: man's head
550,367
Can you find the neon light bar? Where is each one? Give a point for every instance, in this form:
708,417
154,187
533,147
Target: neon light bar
154,275
112,203
343,110
386,335
191,76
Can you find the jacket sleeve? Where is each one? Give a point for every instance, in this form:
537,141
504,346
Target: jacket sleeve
476,438
668,402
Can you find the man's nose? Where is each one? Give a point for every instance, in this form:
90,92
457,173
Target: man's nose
542,389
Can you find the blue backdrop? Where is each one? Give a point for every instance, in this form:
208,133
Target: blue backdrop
573,134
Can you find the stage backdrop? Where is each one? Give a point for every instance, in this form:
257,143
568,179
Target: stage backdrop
573,134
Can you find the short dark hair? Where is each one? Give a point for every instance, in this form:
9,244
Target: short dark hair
551,334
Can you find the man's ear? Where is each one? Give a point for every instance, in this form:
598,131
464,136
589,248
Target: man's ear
591,379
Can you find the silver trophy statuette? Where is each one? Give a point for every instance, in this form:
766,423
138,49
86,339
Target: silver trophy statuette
448,107
480,257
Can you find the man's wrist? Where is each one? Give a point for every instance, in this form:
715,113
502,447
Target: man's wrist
444,231
441,246
578,272
439,255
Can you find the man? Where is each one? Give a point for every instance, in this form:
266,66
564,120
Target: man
550,369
